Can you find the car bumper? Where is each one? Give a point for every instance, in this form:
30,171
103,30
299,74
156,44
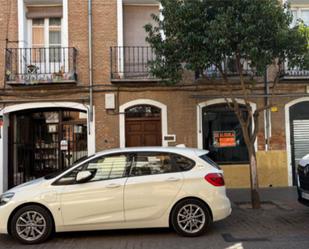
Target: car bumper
222,208
303,196
5,212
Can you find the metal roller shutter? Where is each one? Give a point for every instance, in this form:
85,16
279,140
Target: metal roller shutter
300,139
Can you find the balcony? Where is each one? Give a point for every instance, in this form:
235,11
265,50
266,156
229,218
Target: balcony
131,64
287,73
230,69
31,66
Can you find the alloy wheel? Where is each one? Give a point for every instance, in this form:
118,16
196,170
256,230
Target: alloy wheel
191,218
30,226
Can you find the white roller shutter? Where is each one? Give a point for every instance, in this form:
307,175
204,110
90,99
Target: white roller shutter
301,139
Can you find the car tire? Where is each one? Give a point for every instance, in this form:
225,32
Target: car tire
31,225
190,218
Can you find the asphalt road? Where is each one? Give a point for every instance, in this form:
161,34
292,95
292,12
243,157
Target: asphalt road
282,223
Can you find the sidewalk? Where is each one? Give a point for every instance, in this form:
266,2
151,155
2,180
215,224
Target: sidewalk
286,194
281,223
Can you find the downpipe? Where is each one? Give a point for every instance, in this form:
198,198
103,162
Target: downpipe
267,112
90,60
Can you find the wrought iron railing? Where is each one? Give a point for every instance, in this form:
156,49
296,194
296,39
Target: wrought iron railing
287,72
229,67
40,65
131,62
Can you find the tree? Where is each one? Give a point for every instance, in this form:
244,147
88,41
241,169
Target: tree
199,34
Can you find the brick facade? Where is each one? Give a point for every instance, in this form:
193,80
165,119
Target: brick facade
181,105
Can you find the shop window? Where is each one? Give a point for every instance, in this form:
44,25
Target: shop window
222,135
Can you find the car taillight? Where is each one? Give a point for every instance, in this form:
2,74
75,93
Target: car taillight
215,179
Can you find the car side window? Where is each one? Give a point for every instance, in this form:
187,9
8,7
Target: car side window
183,163
105,167
147,163
109,167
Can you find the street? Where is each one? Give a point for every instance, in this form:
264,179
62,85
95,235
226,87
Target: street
281,223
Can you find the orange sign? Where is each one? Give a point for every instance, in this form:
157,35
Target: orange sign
224,139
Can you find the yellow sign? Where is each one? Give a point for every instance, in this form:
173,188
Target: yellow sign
274,109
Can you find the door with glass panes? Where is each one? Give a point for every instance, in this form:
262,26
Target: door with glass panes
45,39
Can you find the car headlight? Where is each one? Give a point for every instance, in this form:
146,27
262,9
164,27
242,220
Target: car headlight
5,198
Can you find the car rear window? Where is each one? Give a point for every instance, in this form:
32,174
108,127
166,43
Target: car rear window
183,163
209,161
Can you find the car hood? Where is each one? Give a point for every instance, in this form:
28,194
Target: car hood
28,185
304,161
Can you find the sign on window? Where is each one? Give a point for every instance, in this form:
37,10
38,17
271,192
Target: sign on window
223,139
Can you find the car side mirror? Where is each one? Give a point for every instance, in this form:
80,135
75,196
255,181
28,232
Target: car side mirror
84,176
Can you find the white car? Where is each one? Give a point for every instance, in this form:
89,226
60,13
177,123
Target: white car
303,180
119,189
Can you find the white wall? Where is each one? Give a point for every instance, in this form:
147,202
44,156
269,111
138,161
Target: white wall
135,17
4,154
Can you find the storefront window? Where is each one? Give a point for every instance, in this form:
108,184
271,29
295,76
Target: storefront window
222,135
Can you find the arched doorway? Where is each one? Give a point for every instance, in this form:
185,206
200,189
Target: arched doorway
220,133
143,126
124,108
79,112
297,134
223,136
44,141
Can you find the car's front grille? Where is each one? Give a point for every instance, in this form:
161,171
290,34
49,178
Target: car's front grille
303,178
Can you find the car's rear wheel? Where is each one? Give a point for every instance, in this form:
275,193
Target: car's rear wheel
31,225
190,218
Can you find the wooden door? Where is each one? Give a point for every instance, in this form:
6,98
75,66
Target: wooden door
144,131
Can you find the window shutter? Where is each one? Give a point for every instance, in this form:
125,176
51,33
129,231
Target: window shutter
44,12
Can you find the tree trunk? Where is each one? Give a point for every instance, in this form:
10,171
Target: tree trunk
255,197
250,140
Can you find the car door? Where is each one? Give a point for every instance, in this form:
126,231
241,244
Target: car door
152,186
99,200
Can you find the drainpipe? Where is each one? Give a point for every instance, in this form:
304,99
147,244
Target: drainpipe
90,59
267,112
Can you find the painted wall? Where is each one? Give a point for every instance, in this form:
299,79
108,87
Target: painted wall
135,17
272,171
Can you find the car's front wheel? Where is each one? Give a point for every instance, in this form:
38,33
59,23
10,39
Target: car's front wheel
190,218
31,225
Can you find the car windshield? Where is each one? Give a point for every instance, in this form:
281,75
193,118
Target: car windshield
57,173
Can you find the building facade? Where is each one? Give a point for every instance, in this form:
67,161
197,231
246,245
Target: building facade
55,109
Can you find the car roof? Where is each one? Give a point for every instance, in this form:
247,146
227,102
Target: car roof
178,150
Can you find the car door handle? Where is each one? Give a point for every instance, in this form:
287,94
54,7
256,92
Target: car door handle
113,185
172,179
